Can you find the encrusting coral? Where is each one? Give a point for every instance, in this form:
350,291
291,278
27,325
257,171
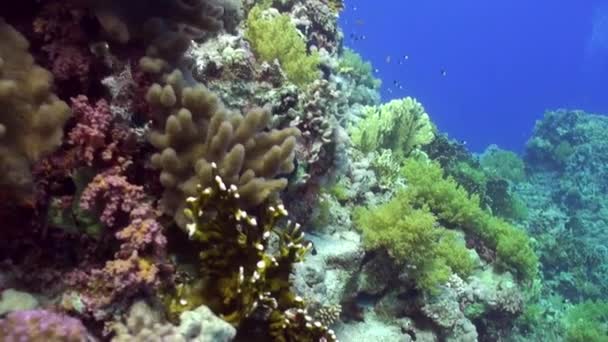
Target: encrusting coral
31,116
193,129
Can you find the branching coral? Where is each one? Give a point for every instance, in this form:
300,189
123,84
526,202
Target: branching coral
273,36
193,130
31,117
400,125
240,279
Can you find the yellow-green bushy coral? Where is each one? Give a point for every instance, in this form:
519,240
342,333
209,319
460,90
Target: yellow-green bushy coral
31,116
453,206
273,36
400,125
411,228
352,64
412,236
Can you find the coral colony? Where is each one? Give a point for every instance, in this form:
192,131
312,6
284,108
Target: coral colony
218,170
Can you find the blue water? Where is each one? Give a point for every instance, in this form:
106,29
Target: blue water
486,70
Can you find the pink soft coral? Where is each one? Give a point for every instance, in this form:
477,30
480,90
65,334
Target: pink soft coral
92,127
109,193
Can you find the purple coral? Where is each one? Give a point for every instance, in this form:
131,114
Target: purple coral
92,128
41,325
111,193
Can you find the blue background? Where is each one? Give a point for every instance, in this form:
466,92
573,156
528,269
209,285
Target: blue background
506,61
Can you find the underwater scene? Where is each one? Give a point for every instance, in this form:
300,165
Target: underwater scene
303,171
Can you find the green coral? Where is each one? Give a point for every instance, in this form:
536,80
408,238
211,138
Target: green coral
412,236
587,322
400,125
455,207
273,36
503,164
351,64
387,167
239,277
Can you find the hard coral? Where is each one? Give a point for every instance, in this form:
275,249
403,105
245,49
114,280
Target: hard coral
192,130
31,116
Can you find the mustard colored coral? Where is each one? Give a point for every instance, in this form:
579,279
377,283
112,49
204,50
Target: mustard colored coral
193,129
31,116
400,125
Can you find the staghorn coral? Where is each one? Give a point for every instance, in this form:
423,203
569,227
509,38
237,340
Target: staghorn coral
192,130
31,117
41,326
240,279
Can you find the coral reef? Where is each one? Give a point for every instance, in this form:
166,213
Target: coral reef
150,150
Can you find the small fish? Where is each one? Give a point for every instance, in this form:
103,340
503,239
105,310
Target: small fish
388,59
444,72
377,70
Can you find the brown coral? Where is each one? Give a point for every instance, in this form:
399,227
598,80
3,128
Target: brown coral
31,116
166,25
193,129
